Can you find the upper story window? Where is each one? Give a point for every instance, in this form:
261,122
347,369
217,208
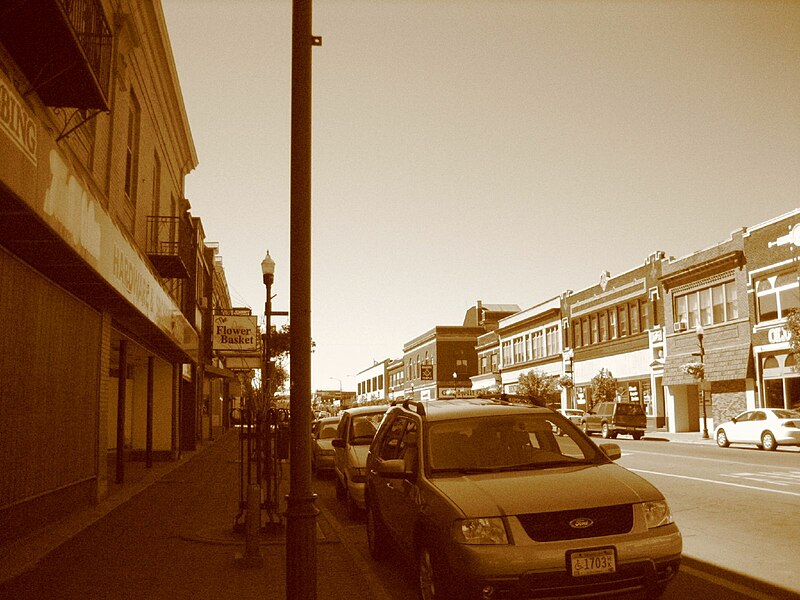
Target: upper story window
711,305
507,356
132,149
776,295
519,350
552,341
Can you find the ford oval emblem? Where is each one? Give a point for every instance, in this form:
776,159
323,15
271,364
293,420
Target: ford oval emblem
581,523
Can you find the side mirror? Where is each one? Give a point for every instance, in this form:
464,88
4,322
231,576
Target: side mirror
733,419
394,468
612,451
337,442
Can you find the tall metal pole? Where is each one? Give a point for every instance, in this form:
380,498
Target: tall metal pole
702,381
301,514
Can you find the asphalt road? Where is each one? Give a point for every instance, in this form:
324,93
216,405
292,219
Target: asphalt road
735,507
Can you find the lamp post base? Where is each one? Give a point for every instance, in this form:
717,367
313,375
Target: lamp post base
301,546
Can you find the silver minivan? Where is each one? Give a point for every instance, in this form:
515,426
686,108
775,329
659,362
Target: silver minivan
354,434
488,502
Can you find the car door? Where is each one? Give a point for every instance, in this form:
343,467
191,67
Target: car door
340,450
737,430
395,497
755,427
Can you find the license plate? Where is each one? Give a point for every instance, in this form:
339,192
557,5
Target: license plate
592,562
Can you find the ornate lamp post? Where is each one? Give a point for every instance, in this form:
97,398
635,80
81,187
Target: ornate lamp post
700,333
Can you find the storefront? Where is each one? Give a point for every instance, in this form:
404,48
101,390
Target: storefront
779,378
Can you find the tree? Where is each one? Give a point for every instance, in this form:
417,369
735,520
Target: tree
540,388
793,327
604,388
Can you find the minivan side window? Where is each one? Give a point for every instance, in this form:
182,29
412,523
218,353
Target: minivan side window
390,445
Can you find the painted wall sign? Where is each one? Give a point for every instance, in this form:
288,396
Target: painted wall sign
16,120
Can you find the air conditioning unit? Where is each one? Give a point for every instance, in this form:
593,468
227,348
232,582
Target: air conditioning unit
679,326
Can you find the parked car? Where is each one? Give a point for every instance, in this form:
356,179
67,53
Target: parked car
488,502
354,434
767,428
573,414
322,451
612,418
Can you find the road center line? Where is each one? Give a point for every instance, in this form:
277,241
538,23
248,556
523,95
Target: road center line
740,485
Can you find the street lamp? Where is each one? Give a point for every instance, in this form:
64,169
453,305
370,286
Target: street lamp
268,272
700,333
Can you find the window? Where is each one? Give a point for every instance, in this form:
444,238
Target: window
595,332
519,351
156,185
634,314
708,306
646,320
585,330
576,331
495,361
484,364
612,324
538,345
507,353
380,382
603,320
551,334
777,295
623,320
132,150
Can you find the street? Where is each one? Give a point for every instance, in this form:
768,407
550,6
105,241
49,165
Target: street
736,508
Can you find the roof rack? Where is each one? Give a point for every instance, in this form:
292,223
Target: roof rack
517,398
419,406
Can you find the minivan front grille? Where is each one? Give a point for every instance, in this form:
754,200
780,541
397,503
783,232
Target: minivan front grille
578,524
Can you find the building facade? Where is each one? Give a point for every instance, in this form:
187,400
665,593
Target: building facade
772,250
102,267
706,310
616,325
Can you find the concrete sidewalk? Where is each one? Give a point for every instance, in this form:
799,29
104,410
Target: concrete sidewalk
168,534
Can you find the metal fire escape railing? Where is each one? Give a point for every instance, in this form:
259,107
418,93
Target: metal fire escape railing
94,36
169,245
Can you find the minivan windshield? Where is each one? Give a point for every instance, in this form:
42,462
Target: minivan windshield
507,442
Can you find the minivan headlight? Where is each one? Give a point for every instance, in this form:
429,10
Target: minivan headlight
484,530
657,513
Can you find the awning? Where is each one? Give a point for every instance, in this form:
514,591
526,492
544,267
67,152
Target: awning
212,371
721,364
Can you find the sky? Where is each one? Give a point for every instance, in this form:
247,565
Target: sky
494,150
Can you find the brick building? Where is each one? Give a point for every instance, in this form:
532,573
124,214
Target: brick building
103,270
772,250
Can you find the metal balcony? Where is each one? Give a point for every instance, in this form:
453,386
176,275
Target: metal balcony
169,246
63,47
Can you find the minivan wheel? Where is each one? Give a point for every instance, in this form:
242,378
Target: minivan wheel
605,431
431,585
768,441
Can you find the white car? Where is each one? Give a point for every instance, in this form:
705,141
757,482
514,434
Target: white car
767,428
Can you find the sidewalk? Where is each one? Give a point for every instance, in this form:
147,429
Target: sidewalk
168,534
685,437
